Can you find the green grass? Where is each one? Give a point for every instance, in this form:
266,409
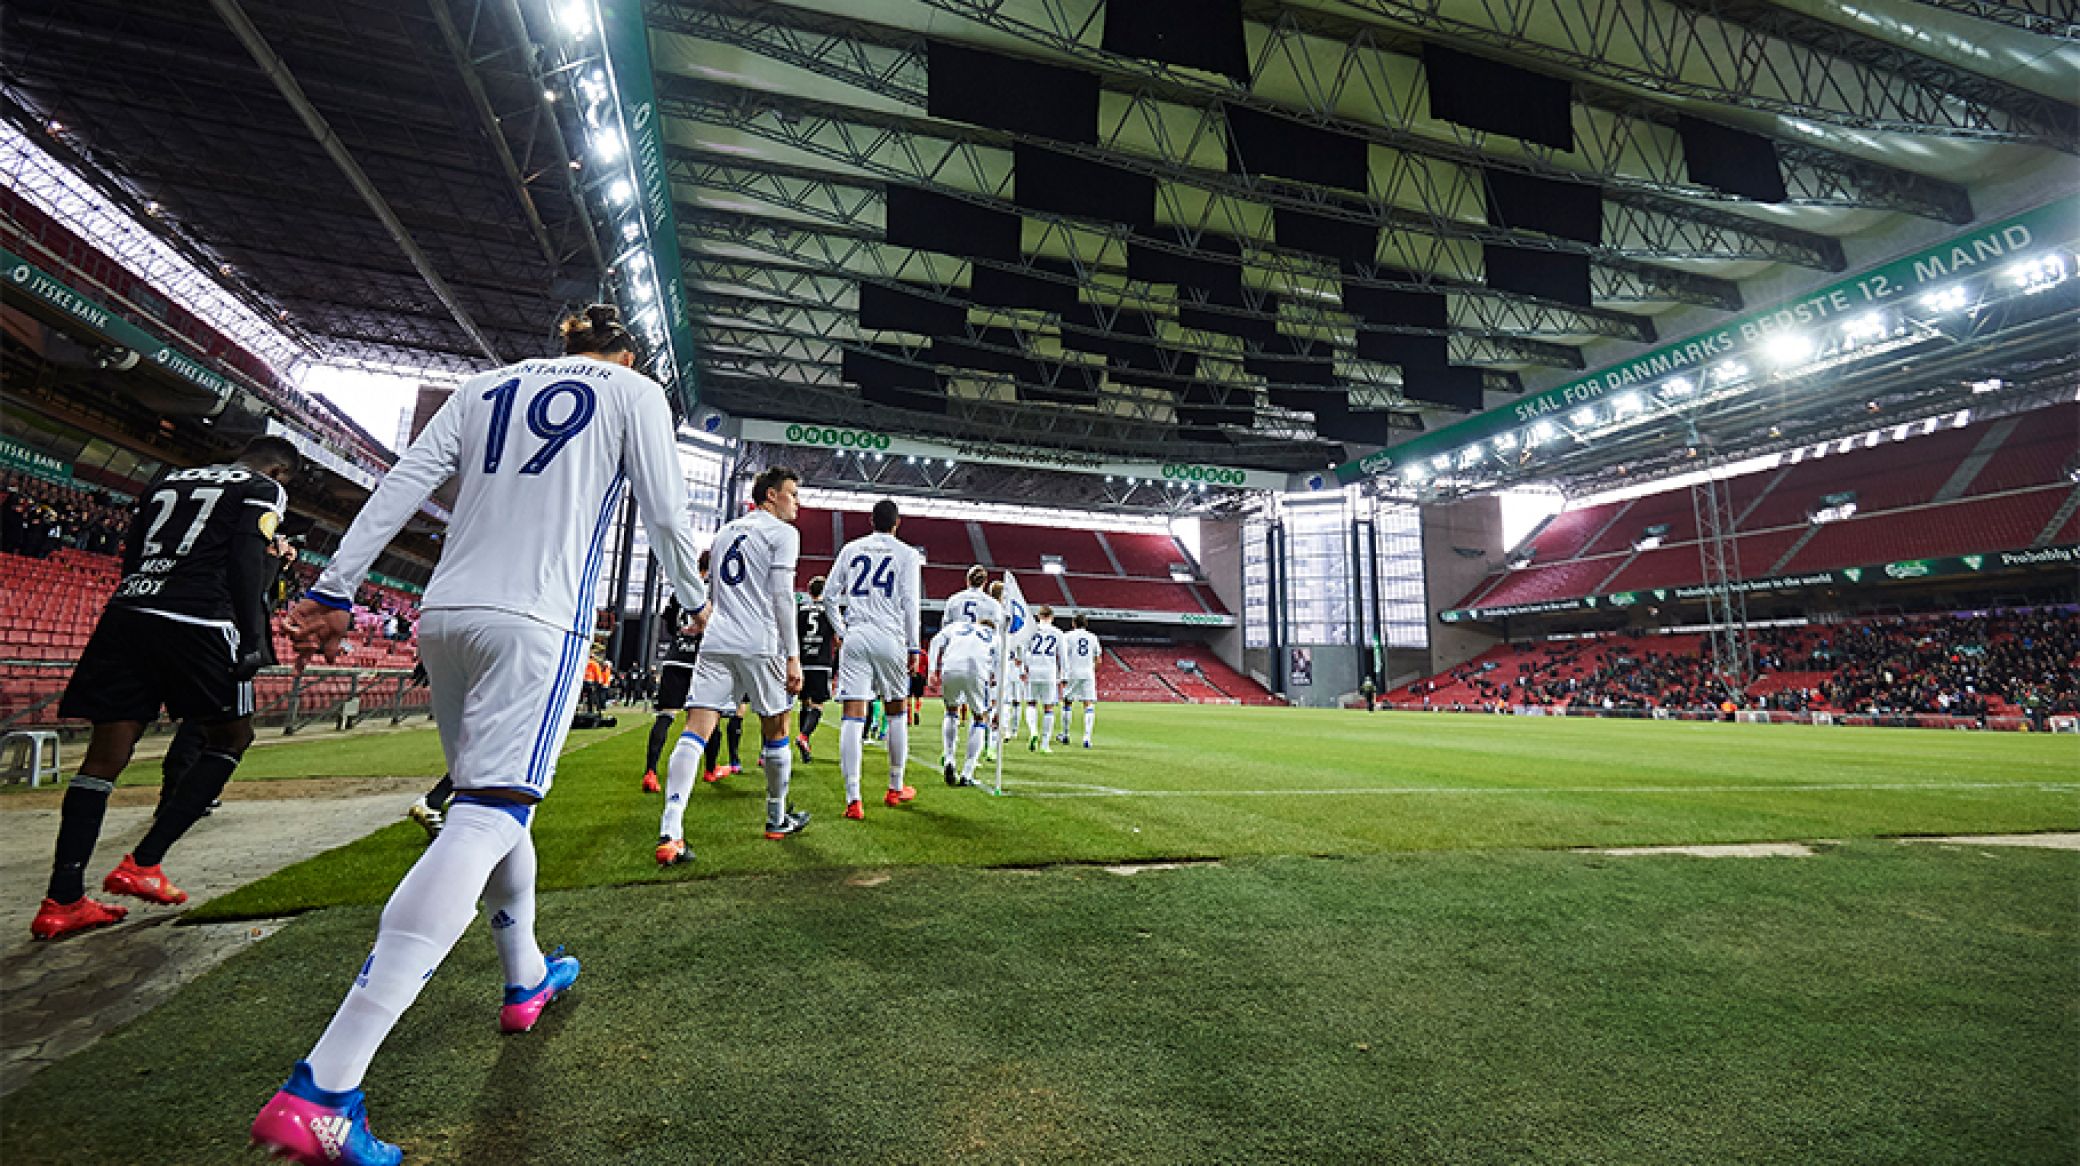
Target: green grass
1226,782
1393,961
1882,1003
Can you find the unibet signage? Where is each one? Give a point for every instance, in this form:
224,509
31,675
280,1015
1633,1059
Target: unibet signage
836,438
1215,475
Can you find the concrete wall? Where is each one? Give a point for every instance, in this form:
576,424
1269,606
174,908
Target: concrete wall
1220,557
1337,669
1462,544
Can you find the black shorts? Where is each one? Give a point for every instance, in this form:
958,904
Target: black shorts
917,686
135,663
816,685
673,681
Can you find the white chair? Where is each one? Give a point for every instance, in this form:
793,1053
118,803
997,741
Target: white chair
23,756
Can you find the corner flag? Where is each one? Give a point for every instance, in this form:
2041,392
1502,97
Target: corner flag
1016,620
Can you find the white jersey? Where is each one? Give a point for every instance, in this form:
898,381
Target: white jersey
974,605
1042,653
539,451
751,565
965,648
874,583
1080,653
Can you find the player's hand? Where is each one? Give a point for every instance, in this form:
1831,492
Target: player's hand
317,630
248,665
794,676
932,681
697,623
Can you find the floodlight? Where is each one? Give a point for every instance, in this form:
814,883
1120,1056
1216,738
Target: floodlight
576,19
638,261
1989,385
1681,386
1470,457
1627,404
1416,472
1584,417
1543,432
1732,370
2039,274
1442,462
1950,299
642,291
620,192
1785,349
1504,442
1865,328
631,231
607,145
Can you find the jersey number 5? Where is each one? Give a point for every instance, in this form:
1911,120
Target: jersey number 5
555,434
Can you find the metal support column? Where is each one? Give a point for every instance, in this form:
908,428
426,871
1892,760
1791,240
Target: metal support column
1726,609
624,559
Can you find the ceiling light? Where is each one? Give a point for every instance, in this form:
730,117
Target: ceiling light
607,145
1989,385
1627,404
1584,417
1950,299
1504,442
1865,328
1785,349
620,192
576,19
630,231
2040,274
1680,386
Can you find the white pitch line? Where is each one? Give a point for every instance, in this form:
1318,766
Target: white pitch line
1105,792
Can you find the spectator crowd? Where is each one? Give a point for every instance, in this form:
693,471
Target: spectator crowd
38,517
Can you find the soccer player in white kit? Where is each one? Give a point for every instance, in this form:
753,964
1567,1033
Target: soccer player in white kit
974,604
1043,655
963,657
875,590
751,650
1080,652
540,451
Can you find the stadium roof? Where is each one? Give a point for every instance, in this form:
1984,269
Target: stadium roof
1234,232
382,181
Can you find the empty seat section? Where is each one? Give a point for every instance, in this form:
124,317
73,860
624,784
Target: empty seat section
1147,556
2035,454
944,541
1569,531
1671,509
2008,522
1560,581
1018,548
1131,594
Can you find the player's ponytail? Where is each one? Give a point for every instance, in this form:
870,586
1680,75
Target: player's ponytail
596,330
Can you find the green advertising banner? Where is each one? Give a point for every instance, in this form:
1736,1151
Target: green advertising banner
83,311
2066,555
16,456
2054,224
627,42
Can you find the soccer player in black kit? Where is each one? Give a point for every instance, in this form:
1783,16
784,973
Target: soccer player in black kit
674,676
819,634
186,630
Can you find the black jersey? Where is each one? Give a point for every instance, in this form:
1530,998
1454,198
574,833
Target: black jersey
197,547
683,644
813,624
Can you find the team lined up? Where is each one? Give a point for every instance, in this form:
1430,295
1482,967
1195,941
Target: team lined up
753,648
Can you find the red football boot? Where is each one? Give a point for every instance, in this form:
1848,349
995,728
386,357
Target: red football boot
145,882
650,785
897,797
854,810
54,919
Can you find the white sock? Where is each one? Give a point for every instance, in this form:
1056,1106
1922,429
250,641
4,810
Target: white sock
1032,715
509,904
1090,721
852,733
898,749
1047,728
427,913
779,762
679,775
949,734
975,739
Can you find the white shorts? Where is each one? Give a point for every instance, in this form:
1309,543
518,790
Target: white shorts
720,681
968,690
1082,688
1043,690
504,687
873,665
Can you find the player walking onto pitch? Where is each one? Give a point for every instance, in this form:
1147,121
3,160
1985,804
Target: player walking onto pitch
541,450
186,628
674,679
974,603
962,658
1042,653
819,635
1080,653
878,607
750,647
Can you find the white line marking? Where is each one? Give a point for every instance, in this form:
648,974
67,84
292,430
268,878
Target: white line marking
1935,787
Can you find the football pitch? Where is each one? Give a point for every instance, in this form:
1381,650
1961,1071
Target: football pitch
1379,944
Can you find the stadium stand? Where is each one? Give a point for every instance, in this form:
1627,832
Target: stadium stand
1990,487
1962,665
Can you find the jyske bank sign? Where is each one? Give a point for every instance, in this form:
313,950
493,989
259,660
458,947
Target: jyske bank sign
836,438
